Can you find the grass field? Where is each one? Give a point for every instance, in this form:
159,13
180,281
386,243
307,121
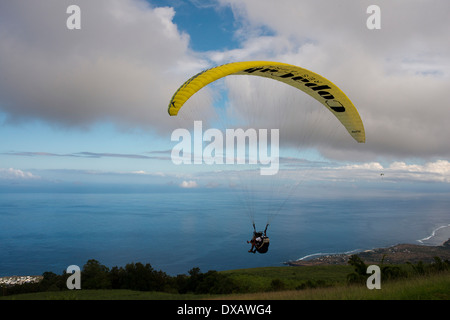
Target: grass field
290,278
434,287
282,283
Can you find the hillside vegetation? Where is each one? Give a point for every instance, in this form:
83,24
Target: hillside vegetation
408,280
280,283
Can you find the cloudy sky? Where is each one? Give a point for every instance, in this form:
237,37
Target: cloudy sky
90,105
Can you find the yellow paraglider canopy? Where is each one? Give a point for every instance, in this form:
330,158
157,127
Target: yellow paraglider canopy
309,82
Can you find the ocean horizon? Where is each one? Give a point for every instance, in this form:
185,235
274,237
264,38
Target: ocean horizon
175,232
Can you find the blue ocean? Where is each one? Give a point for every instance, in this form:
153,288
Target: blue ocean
176,232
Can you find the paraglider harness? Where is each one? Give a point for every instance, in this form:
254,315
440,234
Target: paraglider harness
262,246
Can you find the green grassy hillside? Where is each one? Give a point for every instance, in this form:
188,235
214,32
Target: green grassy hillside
431,287
290,278
281,283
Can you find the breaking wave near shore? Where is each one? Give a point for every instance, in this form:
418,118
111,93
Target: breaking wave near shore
437,236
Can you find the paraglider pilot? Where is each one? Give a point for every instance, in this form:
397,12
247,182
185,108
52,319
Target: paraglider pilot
260,241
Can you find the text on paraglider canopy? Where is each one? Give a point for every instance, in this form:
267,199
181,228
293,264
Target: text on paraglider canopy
311,84
315,87
236,151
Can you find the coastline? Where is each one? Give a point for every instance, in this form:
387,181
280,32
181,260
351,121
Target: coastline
397,254
433,233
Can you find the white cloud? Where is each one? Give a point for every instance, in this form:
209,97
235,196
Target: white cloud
431,171
16,174
189,184
129,58
122,66
146,173
437,171
365,166
397,77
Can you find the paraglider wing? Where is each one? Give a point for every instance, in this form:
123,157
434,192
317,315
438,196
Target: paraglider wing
309,82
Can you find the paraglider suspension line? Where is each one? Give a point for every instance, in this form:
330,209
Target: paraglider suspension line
265,230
